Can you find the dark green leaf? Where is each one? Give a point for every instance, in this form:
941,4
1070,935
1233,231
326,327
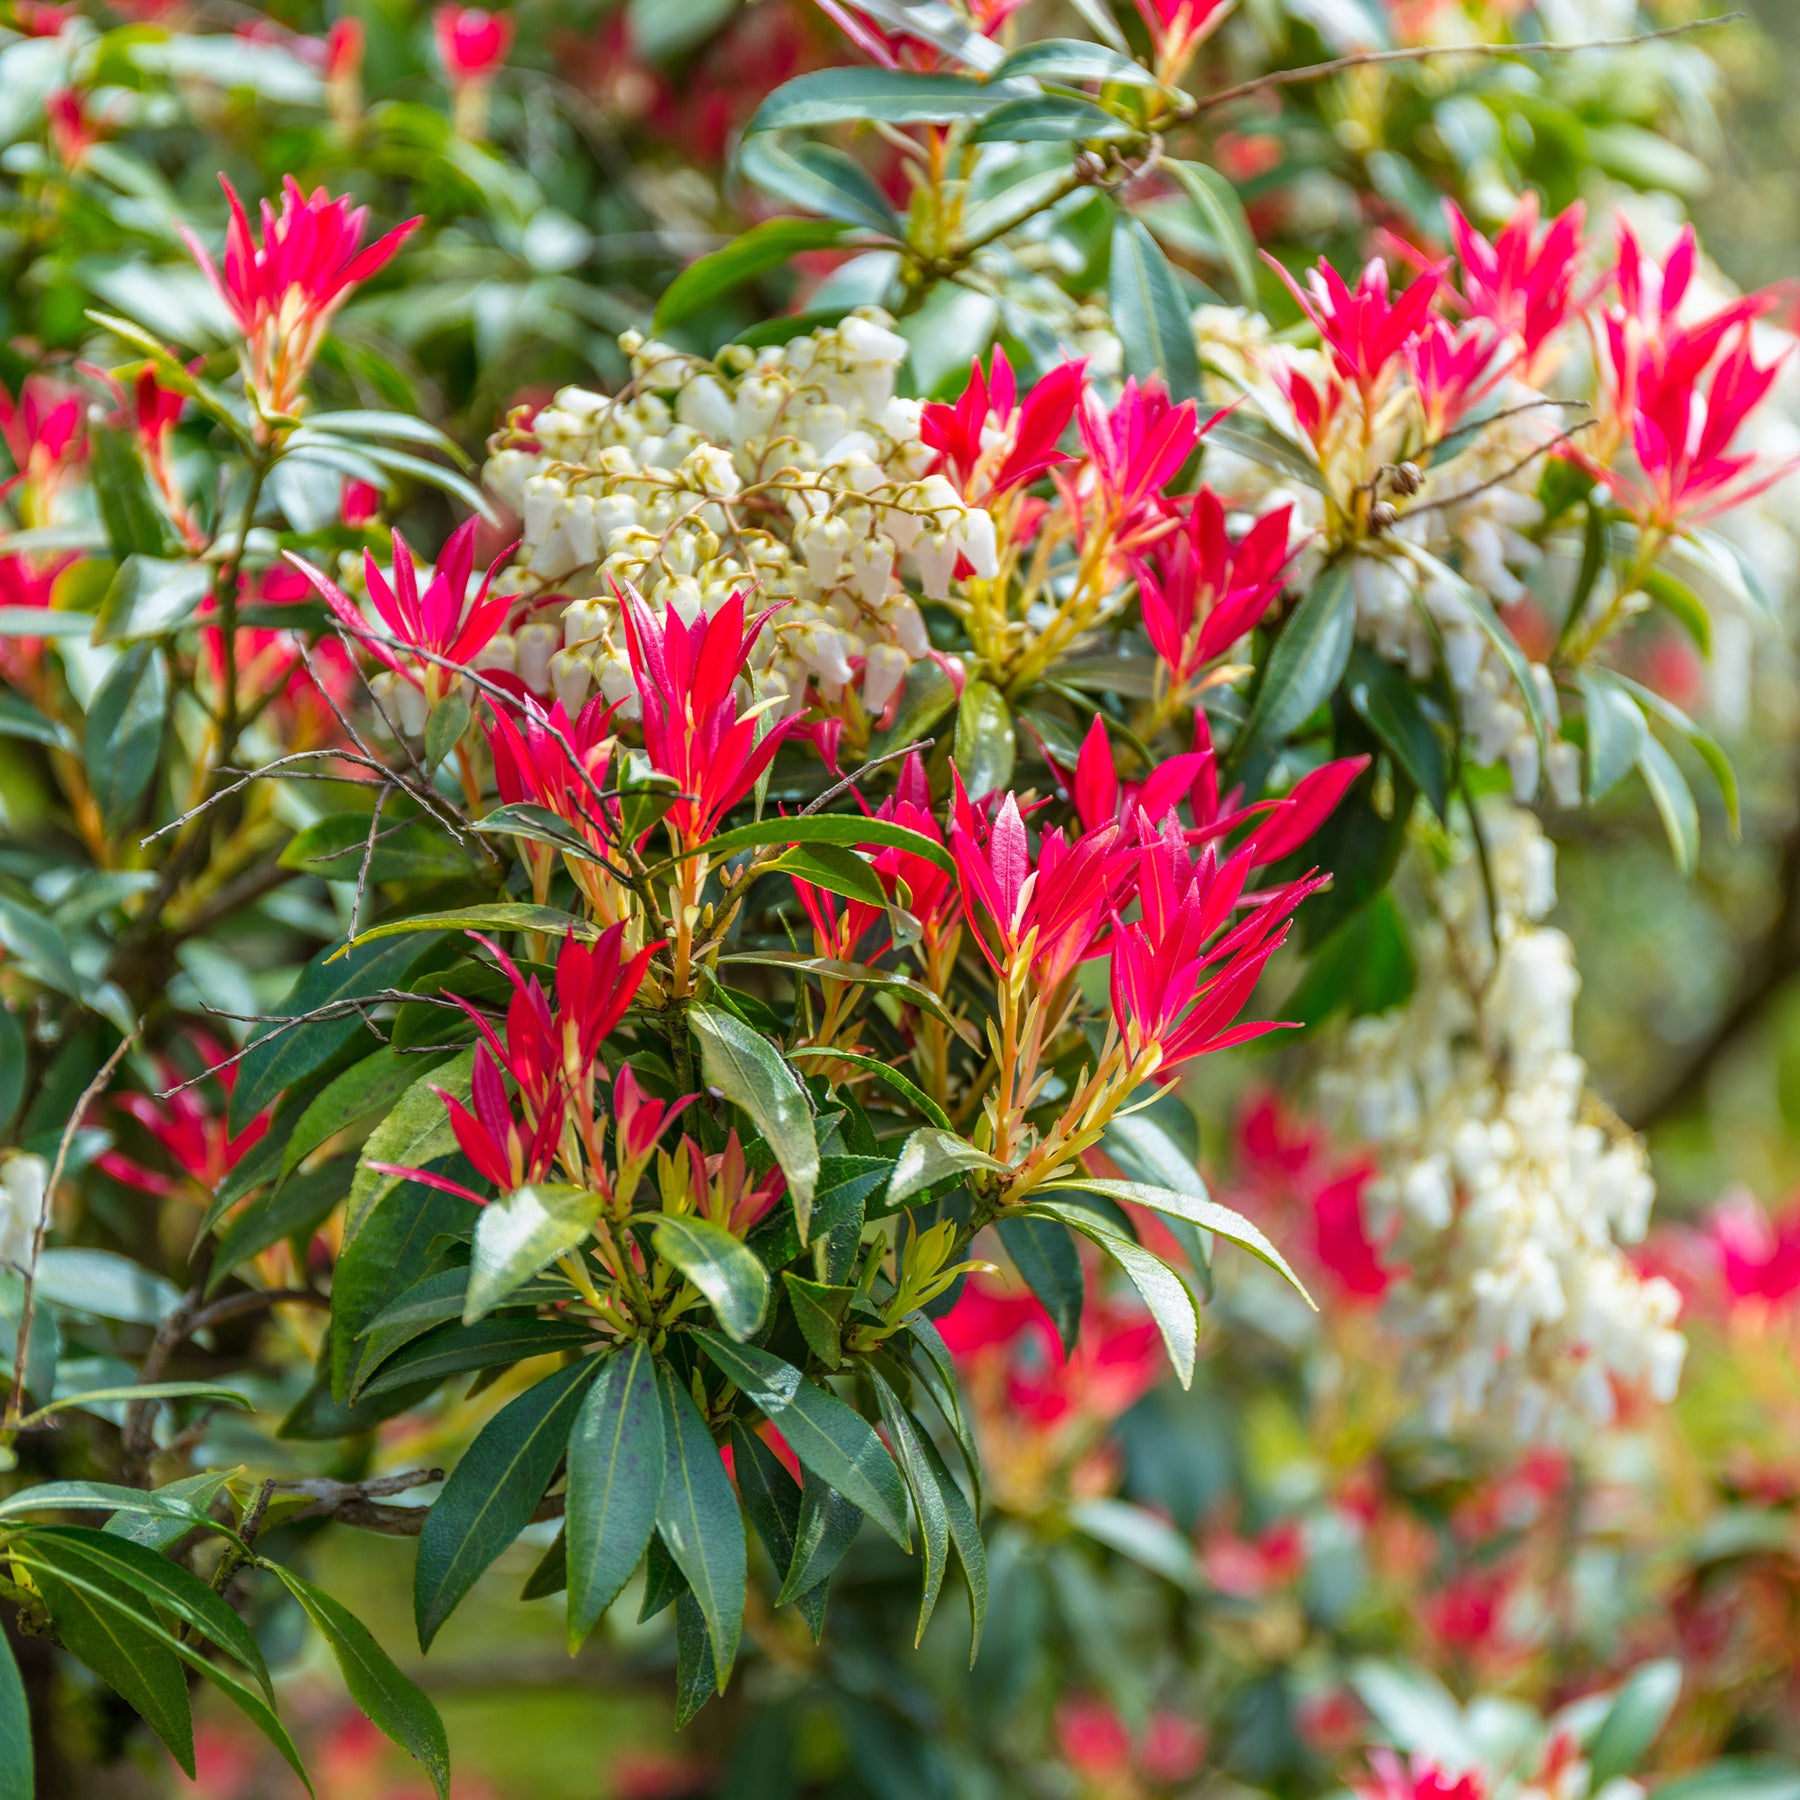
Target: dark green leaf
1073,60
373,1085
161,1533
828,1437
296,1210
819,1310
830,828
493,1343
902,1084
771,1496
393,1702
15,1066
833,867
1045,1256
414,1135
928,1499
986,743
551,1575
491,1494
1388,703
18,1780
506,915
820,178
134,523
20,719
698,1519
1305,663
965,1534
124,731
282,1055
697,1676
925,696
828,1527
617,1462
1149,311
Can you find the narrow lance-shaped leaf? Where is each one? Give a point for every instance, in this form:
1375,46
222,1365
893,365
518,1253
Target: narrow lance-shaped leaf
519,1234
616,1469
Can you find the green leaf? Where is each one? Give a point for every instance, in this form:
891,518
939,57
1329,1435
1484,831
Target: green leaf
751,1074
986,743
413,1136
297,1209
102,1496
391,1252
373,1085
698,1519
1674,802
1702,743
20,719
133,521
125,730
1207,1214
159,1533
98,1624
519,1234
929,1156
828,968
393,1703
820,178
18,1777
1074,59
829,1437
1388,704
928,1498
696,1668
847,95
1615,732
15,1067
1682,604
771,1496
1168,1297
106,1285
903,1085
965,1534
1050,119
167,1584
1305,663
616,1470
551,1575
452,1348
832,867
827,828
828,1527
145,1390
538,824
1149,311
502,916
925,696
724,1268
819,1309
491,1494
769,245
149,597
444,727
283,1055
1222,214
1047,1260
1634,1720
412,850
1148,1540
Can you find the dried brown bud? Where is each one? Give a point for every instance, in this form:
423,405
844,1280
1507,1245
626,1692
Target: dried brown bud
1382,517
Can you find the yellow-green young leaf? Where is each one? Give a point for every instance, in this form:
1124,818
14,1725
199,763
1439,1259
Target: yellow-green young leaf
492,1492
698,1520
724,1268
751,1073
521,1232
829,1437
394,1703
930,1155
616,1469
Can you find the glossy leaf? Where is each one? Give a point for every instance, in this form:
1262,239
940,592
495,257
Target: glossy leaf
897,97
1305,664
521,1232
1048,1262
150,596
125,730
929,1156
1150,313
1634,1721
455,1348
617,1461
766,246
1222,213
927,1497
414,1135
1050,119
829,1437
18,1780
391,1700
492,1493
698,1519
750,1072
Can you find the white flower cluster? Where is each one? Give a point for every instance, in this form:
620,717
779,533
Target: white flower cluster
1410,605
1504,1192
792,474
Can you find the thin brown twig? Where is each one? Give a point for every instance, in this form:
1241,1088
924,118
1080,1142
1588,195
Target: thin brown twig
41,1229
856,775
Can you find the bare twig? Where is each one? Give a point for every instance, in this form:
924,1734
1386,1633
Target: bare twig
28,1302
368,856
1365,59
1505,475
856,775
